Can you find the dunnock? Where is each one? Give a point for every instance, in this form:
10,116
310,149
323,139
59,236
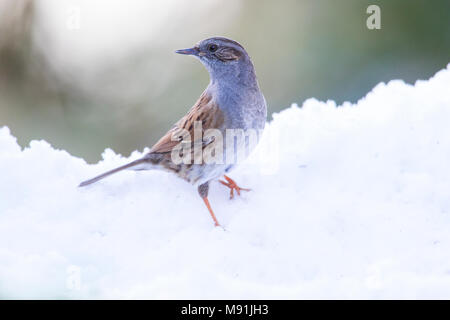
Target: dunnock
232,100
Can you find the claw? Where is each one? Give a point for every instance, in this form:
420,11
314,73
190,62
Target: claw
233,186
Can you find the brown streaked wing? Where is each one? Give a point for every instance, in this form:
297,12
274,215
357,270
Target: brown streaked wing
204,110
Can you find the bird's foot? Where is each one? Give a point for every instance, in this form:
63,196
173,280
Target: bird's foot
233,186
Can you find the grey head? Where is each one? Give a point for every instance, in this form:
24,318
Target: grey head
226,60
233,84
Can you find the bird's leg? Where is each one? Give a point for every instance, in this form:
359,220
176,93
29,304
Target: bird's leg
233,186
203,191
216,223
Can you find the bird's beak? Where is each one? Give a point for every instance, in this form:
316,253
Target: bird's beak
191,51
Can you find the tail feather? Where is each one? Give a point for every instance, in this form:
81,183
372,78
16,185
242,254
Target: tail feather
108,173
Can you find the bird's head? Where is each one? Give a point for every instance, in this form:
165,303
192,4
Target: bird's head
222,57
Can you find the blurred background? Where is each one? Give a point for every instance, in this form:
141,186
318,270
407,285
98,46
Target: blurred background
90,74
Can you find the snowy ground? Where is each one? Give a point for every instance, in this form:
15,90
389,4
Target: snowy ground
352,202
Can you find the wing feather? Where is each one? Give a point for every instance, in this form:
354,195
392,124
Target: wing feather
204,110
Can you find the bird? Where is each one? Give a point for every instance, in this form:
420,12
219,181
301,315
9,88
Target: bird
231,101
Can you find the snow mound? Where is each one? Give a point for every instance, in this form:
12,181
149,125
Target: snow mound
346,202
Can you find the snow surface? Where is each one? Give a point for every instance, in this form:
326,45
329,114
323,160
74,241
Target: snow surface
347,202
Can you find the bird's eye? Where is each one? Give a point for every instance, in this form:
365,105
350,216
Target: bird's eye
212,48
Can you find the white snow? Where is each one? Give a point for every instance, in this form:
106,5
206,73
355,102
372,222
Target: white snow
348,202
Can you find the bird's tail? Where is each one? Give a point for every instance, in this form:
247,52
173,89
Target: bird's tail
136,165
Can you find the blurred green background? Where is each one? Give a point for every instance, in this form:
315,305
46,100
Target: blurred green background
87,75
